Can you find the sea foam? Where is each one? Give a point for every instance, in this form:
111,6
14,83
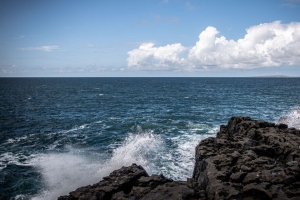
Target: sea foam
65,172
173,157
292,118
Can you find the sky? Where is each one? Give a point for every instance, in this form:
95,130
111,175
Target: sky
149,38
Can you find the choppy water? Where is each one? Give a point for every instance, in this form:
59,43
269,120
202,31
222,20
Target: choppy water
58,134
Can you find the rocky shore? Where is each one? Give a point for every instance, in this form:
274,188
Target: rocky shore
248,159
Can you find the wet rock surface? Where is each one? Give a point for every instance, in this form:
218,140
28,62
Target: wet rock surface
248,159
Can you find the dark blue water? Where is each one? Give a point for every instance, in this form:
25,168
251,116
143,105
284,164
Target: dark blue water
61,133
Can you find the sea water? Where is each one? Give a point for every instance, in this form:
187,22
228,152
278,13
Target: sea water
57,134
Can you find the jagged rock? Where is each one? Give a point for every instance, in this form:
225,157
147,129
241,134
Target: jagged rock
119,180
133,182
250,159
247,160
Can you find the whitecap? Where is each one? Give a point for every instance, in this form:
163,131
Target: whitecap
16,139
10,140
20,197
10,158
76,128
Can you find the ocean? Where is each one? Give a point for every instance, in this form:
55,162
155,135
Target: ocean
57,134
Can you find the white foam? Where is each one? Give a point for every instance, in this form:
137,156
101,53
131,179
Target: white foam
214,130
66,172
10,158
16,139
20,197
10,140
63,173
292,119
181,159
76,128
141,149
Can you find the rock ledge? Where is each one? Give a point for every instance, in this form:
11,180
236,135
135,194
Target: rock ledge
248,159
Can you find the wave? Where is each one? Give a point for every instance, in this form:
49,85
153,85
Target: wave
10,158
172,156
178,162
292,118
76,128
63,173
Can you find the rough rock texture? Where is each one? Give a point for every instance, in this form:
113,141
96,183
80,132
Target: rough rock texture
250,159
134,183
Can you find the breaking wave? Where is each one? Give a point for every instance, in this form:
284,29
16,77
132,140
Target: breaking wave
174,157
292,119
65,172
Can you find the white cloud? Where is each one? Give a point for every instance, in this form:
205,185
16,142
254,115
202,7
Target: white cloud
265,45
41,48
155,58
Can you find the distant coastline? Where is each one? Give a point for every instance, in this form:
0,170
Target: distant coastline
275,76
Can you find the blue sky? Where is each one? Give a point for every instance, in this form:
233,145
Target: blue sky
105,38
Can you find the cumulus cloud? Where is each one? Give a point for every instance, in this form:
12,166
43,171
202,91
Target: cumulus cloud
41,48
155,58
265,45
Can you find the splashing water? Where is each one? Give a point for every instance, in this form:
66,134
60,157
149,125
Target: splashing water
61,134
66,172
292,119
63,173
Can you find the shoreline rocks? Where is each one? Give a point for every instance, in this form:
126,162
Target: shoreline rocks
133,182
248,159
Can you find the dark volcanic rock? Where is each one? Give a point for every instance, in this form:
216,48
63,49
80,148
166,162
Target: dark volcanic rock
250,159
134,183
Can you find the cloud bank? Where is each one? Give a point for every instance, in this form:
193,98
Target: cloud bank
265,45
